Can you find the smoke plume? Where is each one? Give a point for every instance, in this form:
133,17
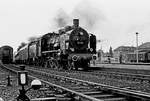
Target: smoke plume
90,16
61,18
32,38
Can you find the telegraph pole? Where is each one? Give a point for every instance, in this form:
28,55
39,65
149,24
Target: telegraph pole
137,58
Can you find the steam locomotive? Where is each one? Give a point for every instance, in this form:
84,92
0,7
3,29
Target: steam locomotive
6,54
70,47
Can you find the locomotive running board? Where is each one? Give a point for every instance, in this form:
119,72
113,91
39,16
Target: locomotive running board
53,51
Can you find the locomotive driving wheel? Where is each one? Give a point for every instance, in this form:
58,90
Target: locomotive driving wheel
74,65
51,63
46,64
70,65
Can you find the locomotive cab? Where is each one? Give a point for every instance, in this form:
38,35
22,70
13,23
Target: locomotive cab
93,43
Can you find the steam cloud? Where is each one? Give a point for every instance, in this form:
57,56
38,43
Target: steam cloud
61,19
89,16
32,38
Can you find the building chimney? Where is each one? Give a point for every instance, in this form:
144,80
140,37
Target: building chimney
76,23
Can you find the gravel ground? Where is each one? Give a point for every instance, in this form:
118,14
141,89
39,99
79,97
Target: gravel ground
123,70
134,85
124,66
10,93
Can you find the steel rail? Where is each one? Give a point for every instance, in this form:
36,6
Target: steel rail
66,89
121,90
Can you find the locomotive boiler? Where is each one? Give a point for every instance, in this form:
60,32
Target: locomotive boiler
70,47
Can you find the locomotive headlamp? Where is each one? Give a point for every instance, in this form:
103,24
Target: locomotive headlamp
72,49
81,33
75,58
23,78
58,54
91,49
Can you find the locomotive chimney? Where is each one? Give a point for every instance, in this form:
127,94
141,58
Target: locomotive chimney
76,23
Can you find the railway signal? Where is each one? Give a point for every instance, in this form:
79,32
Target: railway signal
8,81
23,80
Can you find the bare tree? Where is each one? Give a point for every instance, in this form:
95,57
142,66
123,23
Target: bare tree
110,52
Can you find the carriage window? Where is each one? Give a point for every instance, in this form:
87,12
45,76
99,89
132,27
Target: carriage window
148,56
6,52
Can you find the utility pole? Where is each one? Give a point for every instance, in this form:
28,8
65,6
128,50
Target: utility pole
137,58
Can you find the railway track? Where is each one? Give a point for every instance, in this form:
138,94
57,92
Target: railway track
117,75
85,90
137,82
140,77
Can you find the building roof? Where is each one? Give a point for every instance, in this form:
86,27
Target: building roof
125,48
142,48
145,46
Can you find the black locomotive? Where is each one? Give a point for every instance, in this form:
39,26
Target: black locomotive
6,54
70,47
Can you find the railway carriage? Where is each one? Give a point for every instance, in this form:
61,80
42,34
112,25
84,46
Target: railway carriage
6,54
32,52
22,55
70,47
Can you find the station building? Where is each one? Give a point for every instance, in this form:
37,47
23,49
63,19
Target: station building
144,47
122,51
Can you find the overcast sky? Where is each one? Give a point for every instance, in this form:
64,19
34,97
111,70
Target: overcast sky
115,22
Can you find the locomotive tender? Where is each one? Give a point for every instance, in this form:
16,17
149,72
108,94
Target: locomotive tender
6,54
71,47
